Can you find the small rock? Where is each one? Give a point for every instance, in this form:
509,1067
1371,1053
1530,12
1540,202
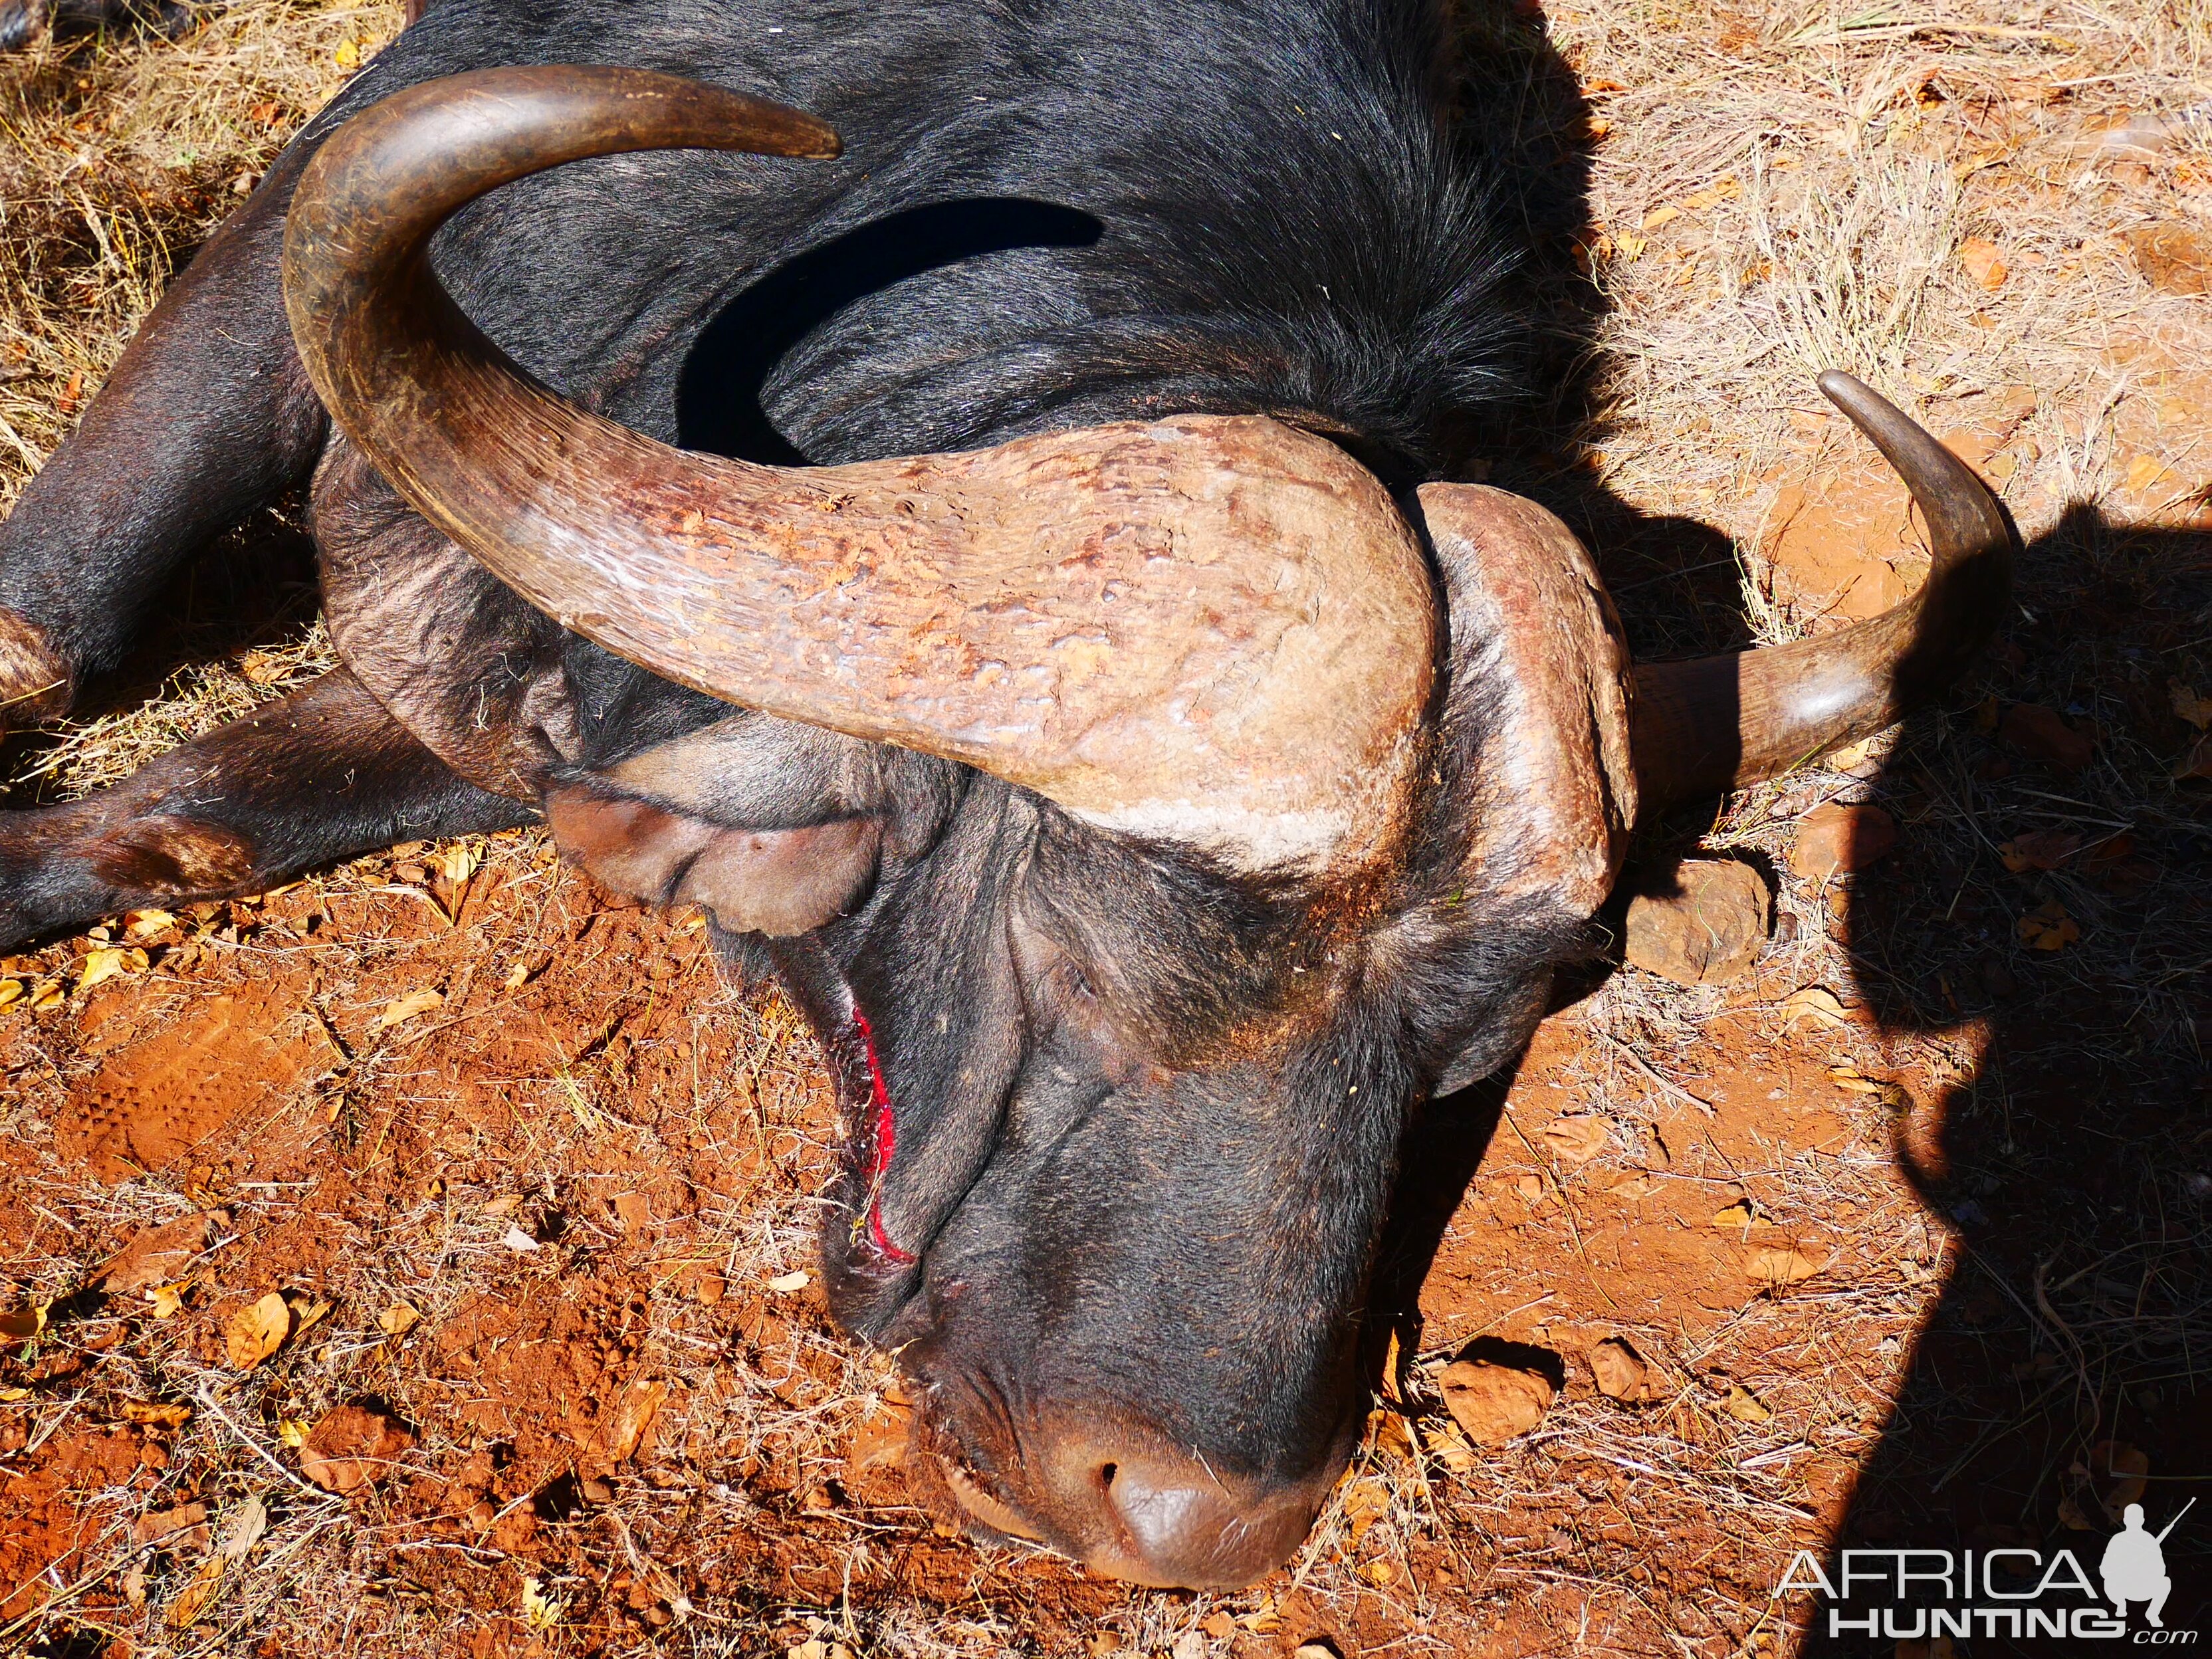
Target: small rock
1620,1370
353,1448
2043,734
1746,1406
595,1491
1319,1648
1492,1403
1702,923
1837,838
2173,257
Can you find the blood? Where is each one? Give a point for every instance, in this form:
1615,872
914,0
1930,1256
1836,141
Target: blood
885,1142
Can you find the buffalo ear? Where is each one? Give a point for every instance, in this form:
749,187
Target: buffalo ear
1496,1039
778,882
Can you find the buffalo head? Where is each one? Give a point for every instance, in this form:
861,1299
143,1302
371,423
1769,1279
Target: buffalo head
1147,817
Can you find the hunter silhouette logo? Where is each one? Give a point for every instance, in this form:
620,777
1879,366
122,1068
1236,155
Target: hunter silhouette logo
2133,1567
1912,1595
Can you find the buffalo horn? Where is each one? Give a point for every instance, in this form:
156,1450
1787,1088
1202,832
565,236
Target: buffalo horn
1712,724
1216,630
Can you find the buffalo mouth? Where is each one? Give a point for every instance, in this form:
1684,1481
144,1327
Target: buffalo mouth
1090,1478
870,1140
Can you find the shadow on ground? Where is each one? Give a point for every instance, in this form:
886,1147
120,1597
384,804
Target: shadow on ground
2066,1369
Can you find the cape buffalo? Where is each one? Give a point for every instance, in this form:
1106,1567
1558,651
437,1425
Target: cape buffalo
980,538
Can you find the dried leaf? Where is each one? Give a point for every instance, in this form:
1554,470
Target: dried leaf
540,1612
518,1240
49,995
2044,734
1743,1406
1816,1003
2146,470
166,1300
2040,849
2120,1472
1658,216
1619,1371
785,1283
144,924
2197,710
157,1413
456,865
502,1204
9,1396
192,1601
1365,1502
1494,1403
398,1319
1847,1078
1576,1141
2048,927
292,1432
24,1322
106,962
247,1522
1740,1214
2197,763
256,1332
307,1310
10,991
401,1009
348,55
1983,264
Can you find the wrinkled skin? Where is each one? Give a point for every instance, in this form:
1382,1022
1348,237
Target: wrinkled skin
1121,1122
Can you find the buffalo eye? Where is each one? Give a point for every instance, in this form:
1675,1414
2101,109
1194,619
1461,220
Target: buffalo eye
1075,982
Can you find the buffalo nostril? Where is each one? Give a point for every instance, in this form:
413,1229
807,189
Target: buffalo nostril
1172,1520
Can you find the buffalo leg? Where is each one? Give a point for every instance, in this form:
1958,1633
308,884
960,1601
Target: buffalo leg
315,777
206,415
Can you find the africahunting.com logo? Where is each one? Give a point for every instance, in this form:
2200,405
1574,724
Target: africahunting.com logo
1909,1594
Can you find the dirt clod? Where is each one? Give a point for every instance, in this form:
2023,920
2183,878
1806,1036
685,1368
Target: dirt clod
1620,1370
1492,1403
2174,257
1837,838
352,1448
161,1253
1703,923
